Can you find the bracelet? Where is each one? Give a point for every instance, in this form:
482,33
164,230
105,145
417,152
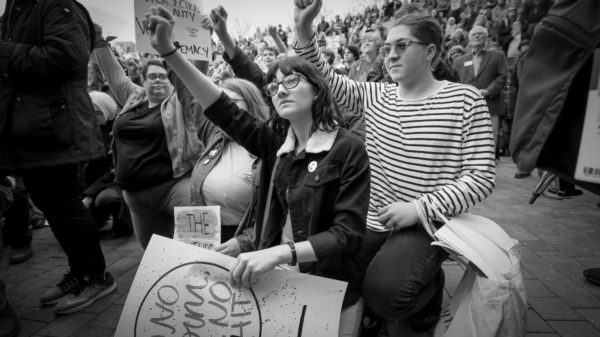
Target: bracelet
177,46
294,256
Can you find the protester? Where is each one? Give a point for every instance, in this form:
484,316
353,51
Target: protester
401,130
486,70
303,134
533,13
48,127
155,148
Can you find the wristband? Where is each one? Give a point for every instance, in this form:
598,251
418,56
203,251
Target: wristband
177,46
294,256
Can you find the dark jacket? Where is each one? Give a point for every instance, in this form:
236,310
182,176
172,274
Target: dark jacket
46,114
327,205
492,75
534,11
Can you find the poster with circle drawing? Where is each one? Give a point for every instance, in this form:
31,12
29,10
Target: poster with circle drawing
182,290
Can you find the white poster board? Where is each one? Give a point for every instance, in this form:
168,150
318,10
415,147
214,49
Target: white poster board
112,25
588,162
199,226
291,38
454,4
181,290
195,41
333,42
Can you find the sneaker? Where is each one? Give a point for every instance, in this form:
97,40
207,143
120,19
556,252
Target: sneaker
62,289
9,322
87,292
20,255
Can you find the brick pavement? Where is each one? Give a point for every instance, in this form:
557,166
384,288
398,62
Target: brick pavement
560,237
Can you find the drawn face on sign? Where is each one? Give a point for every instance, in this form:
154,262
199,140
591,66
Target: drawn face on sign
195,299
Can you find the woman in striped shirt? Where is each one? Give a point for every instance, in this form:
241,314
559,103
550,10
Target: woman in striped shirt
430,144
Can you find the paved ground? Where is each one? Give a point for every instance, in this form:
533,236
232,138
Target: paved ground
561,238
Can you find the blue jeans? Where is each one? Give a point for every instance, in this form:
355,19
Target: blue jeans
152,208
404,274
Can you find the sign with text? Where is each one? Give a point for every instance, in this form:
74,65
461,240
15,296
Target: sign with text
111,24
588,161
181,290
194,40
198,226
333,42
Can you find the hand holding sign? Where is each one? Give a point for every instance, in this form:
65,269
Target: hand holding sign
159,23
230,248
248,267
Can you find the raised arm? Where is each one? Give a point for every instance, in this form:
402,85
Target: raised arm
245,129
348,94
243,66
120,84
281,47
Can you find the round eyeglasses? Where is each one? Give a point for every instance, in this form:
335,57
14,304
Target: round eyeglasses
289,82
399,47
156,77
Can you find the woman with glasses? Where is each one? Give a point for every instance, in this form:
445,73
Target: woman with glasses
155,144
430,146
311,213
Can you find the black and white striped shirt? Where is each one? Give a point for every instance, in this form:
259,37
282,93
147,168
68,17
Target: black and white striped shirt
439,147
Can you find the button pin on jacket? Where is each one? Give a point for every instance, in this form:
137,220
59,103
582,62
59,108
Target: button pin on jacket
312,166
212,153
206,161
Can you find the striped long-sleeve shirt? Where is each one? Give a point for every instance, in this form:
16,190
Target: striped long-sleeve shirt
439,148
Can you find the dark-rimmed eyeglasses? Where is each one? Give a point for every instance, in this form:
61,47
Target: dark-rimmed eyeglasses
289,82
155,77
399,47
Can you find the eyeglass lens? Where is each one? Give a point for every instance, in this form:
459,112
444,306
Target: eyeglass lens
154,77
289,82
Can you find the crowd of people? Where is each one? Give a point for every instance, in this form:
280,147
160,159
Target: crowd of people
321,159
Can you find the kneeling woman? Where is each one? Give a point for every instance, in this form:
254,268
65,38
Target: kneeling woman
312,213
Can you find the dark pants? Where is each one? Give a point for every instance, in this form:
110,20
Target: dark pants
16,230
55,191
110,202
6,197
405,273
2,284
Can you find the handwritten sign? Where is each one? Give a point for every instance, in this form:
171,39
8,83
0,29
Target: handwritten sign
333,42
111,24
454,4
181,290
291,38
198,225
194,40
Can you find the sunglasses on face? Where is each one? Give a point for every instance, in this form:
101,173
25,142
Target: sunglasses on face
289,82
399,47
155,77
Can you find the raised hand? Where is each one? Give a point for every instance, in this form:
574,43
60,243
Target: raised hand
219,18
205,22
272,30
306,11
159,23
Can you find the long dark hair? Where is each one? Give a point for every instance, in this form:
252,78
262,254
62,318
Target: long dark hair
325,113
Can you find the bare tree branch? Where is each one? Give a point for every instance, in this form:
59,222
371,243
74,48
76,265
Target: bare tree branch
240,27
362,4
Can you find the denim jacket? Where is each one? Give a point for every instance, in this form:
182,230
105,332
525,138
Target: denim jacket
324,188
214,148
180,125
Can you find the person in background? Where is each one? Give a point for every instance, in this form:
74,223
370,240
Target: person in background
351,55
408,292
499,12
155,145
458,39
371,43
283,36
323,26
304,133
486,70
533,13
450,28
455,52
506,33
43,77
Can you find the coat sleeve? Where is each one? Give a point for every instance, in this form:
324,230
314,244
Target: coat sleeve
495,88
65,52
245,68
349,227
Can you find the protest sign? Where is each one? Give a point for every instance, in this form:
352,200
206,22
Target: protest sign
181,290
333,42
291,38
454,4
198,225
111,24
194,40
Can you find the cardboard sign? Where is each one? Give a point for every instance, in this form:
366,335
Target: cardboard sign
199,226
291,38
111,24
454,4
333,42
588,161
195,41
181,290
